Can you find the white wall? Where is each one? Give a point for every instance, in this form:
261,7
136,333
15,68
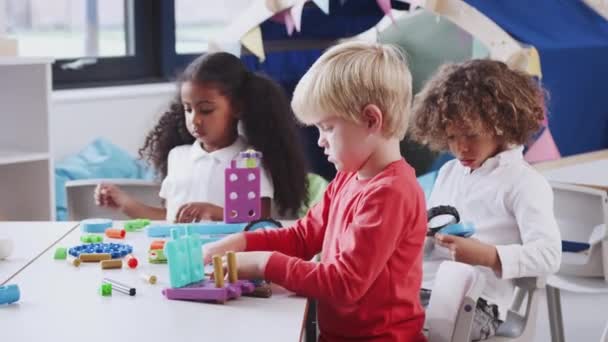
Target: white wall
122,115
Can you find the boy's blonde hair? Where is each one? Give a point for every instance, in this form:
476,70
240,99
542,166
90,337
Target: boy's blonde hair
351,75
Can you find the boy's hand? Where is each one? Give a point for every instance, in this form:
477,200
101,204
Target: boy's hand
108,195
470,251
234,242
199,211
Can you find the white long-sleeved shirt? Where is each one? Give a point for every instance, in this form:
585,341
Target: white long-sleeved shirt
511,207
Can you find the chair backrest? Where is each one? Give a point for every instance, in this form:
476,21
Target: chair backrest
81,202
579,210
450,313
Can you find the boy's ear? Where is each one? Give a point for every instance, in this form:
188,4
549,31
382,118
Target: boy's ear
373,117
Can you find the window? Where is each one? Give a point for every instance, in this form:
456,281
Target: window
193,28
69,29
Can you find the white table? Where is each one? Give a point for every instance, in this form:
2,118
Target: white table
30,239
59,301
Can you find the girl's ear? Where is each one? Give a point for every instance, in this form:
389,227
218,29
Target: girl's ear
373,117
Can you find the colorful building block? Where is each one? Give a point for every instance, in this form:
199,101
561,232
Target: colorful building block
91,238
116,250
242,196
105,289
156,253
60,253
9,294
136,224
210,231
95,225
184,259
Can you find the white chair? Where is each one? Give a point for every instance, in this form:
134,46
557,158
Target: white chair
449,317
605,334
81,202
582,216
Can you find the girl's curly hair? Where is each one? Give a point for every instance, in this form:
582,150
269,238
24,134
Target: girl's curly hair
508,102
268,122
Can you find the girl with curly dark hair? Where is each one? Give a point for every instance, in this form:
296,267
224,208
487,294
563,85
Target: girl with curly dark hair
220,109
483,112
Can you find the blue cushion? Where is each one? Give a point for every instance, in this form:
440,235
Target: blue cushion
99,159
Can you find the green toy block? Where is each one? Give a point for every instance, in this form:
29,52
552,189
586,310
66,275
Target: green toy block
136,224
105,289
157,256
91,238
61,253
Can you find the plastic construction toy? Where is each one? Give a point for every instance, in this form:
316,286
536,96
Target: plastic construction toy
9,294
105,289
449,226
115,233
91,238
156,253
95,225
116,250
186,273
61,253
136,224
210,231
242,184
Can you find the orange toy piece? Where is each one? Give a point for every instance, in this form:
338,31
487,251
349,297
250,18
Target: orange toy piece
115,233
157,244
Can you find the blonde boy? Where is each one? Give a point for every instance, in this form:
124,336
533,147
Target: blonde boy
371,223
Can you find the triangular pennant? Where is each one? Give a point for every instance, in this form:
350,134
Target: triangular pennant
284,17
296,14
323,5
543,148
385,5
252,40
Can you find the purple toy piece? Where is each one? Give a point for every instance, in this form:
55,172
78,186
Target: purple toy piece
206,291
242,196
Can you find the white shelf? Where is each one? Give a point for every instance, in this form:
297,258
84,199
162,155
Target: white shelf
15,156
26,169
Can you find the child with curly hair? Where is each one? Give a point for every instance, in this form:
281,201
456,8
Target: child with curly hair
483,112
201,132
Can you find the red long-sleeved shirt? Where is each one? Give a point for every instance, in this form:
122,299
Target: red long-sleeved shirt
371,234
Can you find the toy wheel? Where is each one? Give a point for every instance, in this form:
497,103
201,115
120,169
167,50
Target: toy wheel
262,223
440,211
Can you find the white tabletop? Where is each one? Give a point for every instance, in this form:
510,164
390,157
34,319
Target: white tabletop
29,240
64,302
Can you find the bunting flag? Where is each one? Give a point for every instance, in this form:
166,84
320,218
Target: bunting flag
323,5
284,17
252,40
296,13
543,148
385,5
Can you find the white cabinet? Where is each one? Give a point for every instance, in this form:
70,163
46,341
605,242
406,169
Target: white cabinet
26,169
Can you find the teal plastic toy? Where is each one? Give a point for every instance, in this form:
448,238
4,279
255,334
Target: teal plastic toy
184,258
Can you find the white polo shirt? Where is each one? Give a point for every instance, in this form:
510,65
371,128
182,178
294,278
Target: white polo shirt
195,175
511,206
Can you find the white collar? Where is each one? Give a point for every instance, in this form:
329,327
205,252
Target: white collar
503,158
222,155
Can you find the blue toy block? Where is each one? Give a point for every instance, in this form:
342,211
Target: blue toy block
9,294
164,230
95,225
209,228
458,229
184,258
117,250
